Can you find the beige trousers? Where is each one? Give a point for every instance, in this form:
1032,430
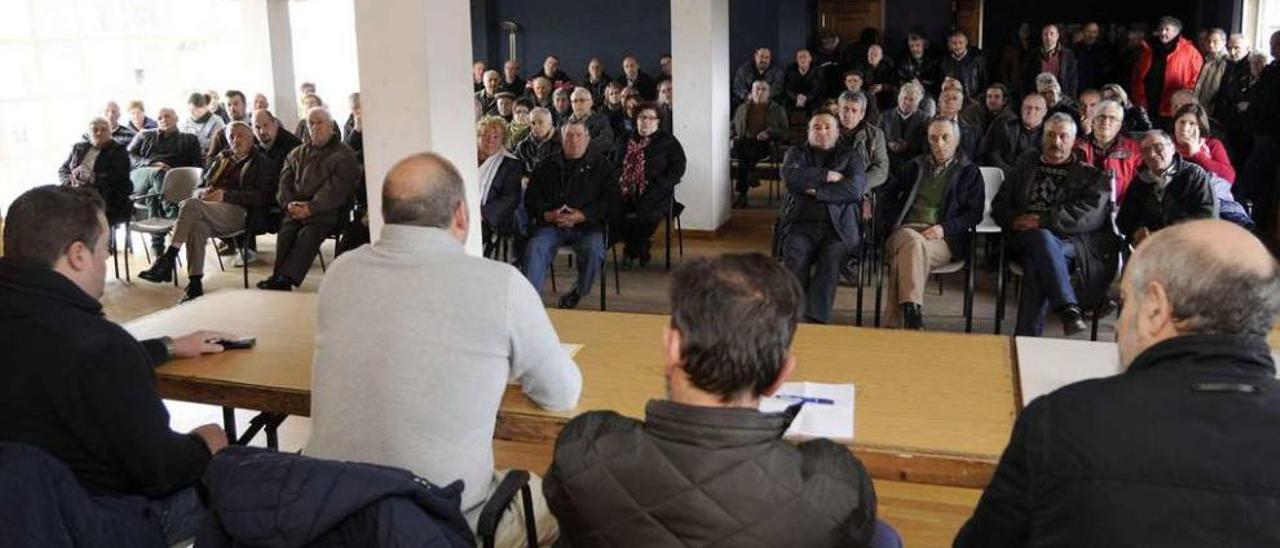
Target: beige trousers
199,220
510,533
911,258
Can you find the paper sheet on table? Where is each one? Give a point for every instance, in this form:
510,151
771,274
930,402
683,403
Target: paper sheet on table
817,419
1045,365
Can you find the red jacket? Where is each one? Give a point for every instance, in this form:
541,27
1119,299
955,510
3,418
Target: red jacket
1181,70
1122,158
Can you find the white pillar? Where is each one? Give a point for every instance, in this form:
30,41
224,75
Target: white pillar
700,49
284,101
415,92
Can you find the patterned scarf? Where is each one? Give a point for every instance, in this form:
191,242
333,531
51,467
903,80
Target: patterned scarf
633,167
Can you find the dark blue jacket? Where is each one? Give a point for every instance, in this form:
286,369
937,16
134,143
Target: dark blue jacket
42,505
962,201
801,171
267,499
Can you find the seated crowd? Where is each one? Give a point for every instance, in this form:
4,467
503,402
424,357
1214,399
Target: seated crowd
591,163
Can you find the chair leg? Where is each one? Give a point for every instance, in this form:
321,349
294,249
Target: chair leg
128,246
604,276
115,253
617,280
680,235
1000,282
219,256
552,267
879,275
968,287
244,258
1093,329
320,253
667,240
862,262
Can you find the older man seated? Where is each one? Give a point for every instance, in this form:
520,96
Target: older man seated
103,164
1057,209
818,219
1167,190
317,184
241,180
567,200
597,122
153,152
1108,149
929,211
1009,140
757,125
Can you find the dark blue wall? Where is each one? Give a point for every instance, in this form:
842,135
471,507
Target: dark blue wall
576,30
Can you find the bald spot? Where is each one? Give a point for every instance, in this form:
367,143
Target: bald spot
1222,241
415,176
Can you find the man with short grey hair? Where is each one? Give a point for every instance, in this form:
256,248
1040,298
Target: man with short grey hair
1209,81
597,123
1167,190
1178,449
417,337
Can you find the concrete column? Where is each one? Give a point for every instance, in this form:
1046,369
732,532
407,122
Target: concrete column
415,92
284,100
700,50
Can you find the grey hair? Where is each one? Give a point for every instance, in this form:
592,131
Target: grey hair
540,111
436,204
955,126
580,92
322,110
1218,32
1062,118
1156,133
1111,103
560,92
237,124
853,97
1237,36
1046,80
911,87
1207,293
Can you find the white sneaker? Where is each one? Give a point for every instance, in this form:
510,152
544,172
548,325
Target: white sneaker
240,260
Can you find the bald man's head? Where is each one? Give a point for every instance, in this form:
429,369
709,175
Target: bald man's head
1198,277
423,189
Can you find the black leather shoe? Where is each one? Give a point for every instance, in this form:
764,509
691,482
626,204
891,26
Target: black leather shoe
1072,320
161,271
195,290
740,201
912,316
276,283
645,257
570,300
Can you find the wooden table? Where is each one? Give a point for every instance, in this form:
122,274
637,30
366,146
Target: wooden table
931,407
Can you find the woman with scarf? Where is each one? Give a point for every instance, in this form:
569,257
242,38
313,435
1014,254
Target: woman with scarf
651,165
500,186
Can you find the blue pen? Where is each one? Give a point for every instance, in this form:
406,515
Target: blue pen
806,399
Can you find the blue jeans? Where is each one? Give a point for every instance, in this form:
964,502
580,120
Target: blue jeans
1047,284
180,514
588,250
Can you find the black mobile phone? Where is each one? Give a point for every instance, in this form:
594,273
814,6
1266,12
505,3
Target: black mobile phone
236,344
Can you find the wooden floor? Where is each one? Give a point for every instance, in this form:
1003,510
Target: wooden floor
925,515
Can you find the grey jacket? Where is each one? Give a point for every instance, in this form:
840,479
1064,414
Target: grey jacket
867,141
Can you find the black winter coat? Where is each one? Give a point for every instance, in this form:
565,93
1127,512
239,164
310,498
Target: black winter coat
962,202
499,209
971,71
259,497
701,476
1068,74
664,164
81,388
591,188
110,178
801,171
257,191
1081,214
1007,141
1188,196
1178,450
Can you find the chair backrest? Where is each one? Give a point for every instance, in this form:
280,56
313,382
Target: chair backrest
180,183
992,178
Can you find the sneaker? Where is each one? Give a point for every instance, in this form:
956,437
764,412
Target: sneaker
240,260
570,300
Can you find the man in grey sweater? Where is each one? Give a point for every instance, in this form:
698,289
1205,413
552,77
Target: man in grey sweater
416,341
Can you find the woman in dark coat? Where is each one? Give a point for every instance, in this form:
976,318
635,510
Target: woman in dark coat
104,165
650,164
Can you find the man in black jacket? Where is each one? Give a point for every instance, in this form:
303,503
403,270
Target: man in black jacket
78,386
1167,190
964,64
1057,210
1178,449
929,211
153,152
1007,141
1054,58
568,200
818,218
101,163
239,187
705,467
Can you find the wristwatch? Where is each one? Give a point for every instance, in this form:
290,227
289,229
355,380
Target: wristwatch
170,348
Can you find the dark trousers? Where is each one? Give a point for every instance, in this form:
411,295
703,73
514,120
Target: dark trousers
297,244
634,231
180,514
749,152
814,253
1046,261
1258,180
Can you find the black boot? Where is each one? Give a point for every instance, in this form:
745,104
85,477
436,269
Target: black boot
195,289
570,300
1072,320
912,316
161,270
276,283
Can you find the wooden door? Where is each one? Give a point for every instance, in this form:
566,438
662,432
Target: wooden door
848,18
969,19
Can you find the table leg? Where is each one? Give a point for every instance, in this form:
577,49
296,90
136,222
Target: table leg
229,422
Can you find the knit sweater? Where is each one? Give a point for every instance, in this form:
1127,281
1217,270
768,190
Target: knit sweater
415,343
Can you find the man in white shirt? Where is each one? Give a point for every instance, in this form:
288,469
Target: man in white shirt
416,341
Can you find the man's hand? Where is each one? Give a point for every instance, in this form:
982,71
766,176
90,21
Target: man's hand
1026,221
800,100
934,232
299,210
81,175
213,195
762,136
834,176
213,436
552,217
195,344
1140,235
571,217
